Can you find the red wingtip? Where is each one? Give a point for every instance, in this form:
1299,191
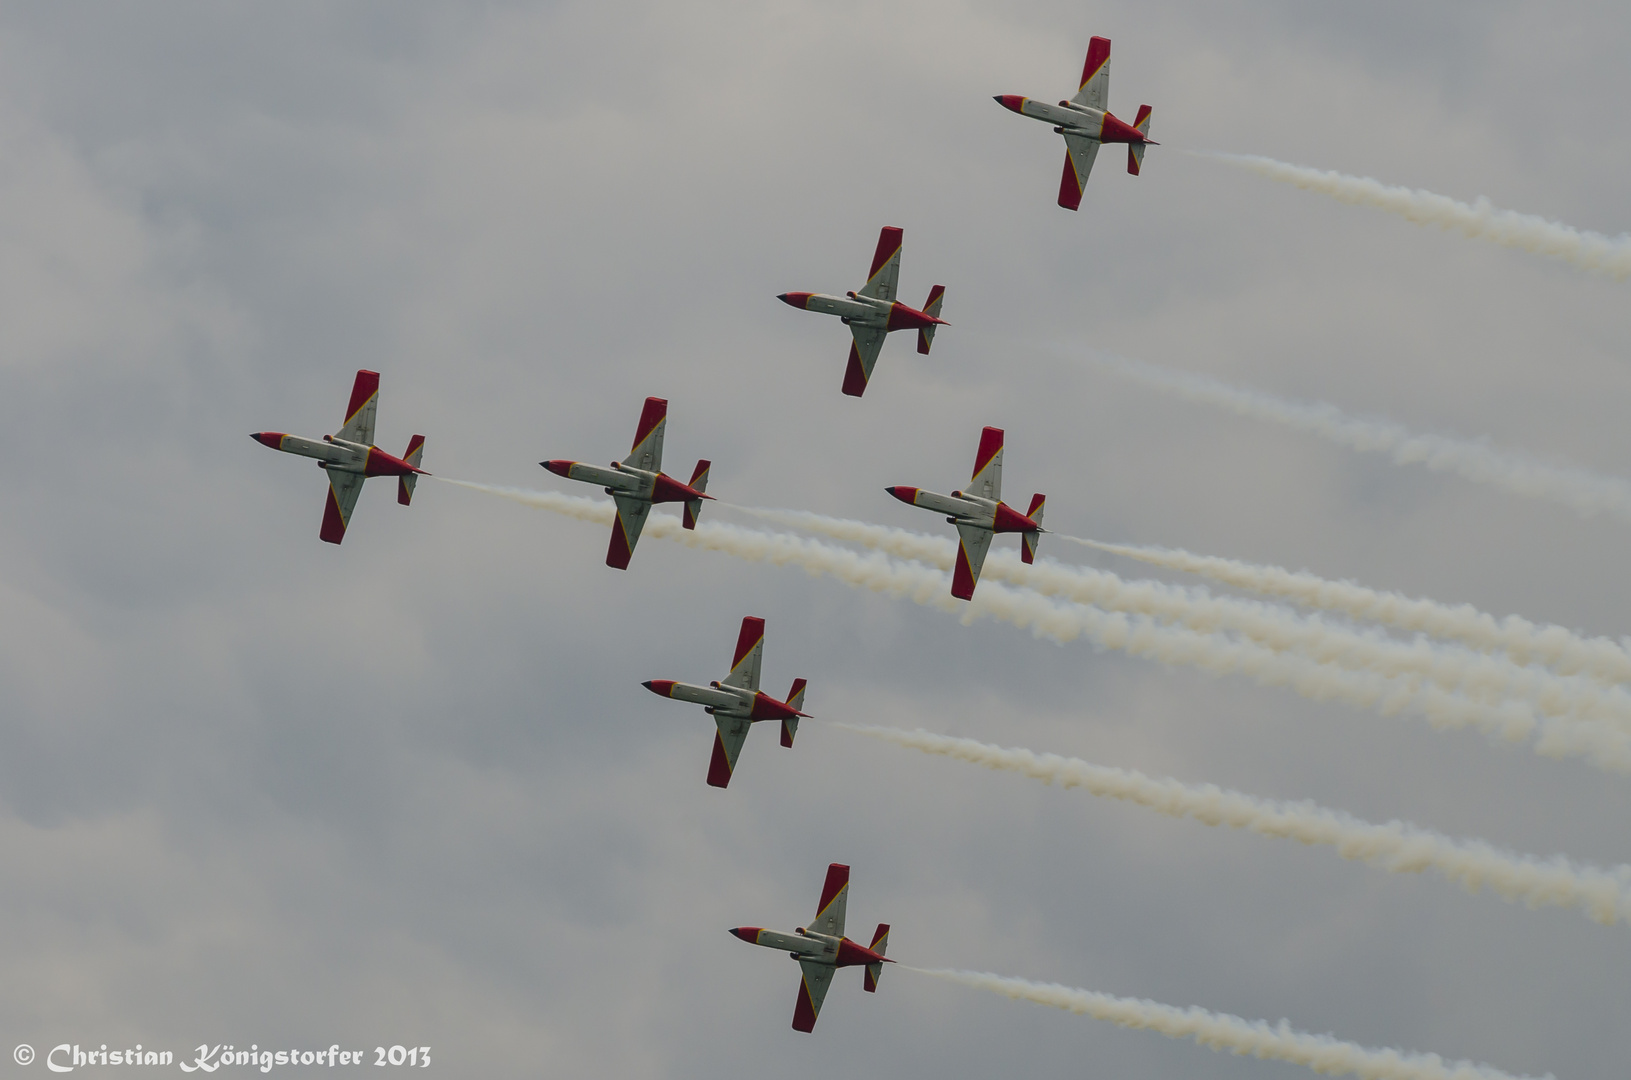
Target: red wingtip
837,878
366,386
753,632
334,522
619,552
719,766
1098,52
889,240
1070,191
962,577
854,374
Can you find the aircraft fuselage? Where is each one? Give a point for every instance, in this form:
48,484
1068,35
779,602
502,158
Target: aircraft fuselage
810,946
340,455
961,508
858,310
626,480
731,702
1070,118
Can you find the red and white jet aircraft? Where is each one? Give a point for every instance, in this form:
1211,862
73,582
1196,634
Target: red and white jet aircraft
1085,122
350,457
979,513
736,701
821,948
638,482
873,312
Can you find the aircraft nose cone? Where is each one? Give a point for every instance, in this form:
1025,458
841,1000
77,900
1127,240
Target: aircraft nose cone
746,933
903,493
274,439
1011,102
800,300
558,467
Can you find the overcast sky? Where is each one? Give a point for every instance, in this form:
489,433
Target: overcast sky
256,788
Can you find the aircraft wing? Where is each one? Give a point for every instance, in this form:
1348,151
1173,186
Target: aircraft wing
834,899
1079,154
986,480
975,542
863,354
648,439
359,415
343,489
733,732
631,518
1095,88
885,273
750,647
812,992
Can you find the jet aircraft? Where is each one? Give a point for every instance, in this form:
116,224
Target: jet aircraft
979,513
873,312
1085,122
638,482
821,948
736,701
350,457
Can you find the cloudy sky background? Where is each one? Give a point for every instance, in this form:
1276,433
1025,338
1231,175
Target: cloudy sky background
254,788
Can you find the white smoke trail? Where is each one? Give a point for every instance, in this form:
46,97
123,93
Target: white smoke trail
1135,635
1221,1031
1524,641
1586,493
1491,680
1481,220
1397,847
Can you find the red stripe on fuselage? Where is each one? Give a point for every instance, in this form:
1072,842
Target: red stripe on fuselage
766,707
667,489
1008,519
366,386
851,954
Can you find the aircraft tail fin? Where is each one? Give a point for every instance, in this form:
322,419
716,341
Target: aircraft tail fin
1029,540
795,698
404,484
880,942
931,307
1135,151
699,481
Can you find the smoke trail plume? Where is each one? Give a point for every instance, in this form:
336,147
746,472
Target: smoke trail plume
1481,220
1492,680
1586,493
1134,635
1524,641
1397,847
1221,1031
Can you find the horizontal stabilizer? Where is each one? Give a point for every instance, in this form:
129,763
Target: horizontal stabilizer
404,483
699,482
1135,157
795,699
925,334
1028,540
880,942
